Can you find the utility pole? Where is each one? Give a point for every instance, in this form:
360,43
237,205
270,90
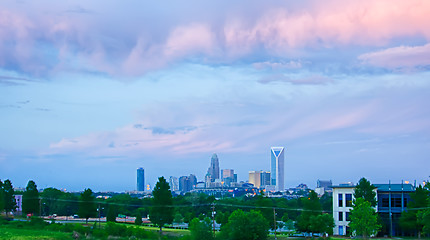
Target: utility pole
274,221
99,215
213,218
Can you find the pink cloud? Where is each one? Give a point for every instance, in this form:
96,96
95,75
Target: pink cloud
398,57
84,42
331,23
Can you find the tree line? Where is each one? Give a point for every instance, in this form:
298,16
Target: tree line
309,214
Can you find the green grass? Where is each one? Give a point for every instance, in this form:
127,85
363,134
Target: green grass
27,234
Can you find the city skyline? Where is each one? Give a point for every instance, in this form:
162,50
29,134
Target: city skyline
88,95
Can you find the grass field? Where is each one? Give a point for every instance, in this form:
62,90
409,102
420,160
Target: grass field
29,234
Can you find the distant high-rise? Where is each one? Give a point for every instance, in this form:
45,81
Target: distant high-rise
174,184
140,179
213,170
228,176
265,178
255,178
277,168
187,183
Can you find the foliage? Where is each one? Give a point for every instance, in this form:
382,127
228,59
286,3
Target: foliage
32,234
126,204
424,217
9,198
409,220
30,199
364,220
1,197
322,224
111,214
138,220
266,209
365,190
245,226
312,208
59,202
161,212
87,207
326,201
222,217
201,230
178,218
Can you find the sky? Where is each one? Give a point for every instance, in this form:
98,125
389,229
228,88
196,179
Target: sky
92,90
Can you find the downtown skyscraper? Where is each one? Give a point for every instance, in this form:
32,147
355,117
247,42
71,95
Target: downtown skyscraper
213,170
140,179
277,167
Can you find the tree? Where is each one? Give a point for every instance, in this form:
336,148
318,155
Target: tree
424,217
409,219
365,190
138,220
222,217
364,220
312,207
87,207
30,199
266,209
111,215
322,224
9,198
201,230
1,197
178,218
161,212
245,226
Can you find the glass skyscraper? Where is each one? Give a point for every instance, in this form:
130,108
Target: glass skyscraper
140,179
277,168
213,170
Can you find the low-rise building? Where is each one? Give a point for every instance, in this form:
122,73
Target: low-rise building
392,200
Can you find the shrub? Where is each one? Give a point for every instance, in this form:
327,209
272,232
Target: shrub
99,234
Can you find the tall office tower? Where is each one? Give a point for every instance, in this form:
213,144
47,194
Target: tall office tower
255,178
213,170
174,184
140,179
277,168
265,178
192,180
227,173
187,183
227,176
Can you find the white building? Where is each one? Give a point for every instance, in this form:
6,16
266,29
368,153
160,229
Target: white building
342,204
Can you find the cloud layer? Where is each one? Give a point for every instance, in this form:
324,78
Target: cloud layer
85,37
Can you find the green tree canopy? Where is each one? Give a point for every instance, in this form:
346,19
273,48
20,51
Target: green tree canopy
201,229
365,190
323,223
311,207
364,220
111,214
409,220
245,226
138,220
424,217
30,199
1,197
87,206
9,197
266,209
161,212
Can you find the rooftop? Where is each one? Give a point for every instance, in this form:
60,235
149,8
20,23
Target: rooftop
395,187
